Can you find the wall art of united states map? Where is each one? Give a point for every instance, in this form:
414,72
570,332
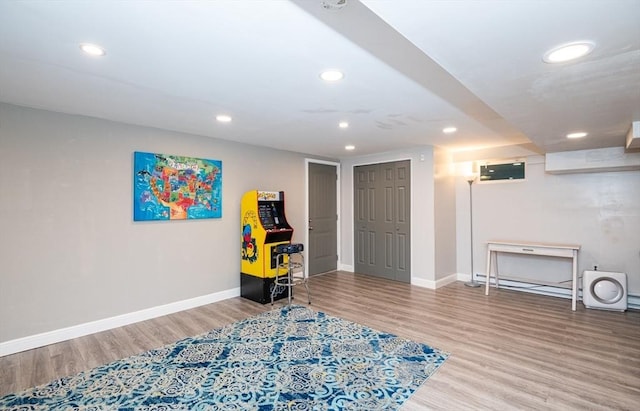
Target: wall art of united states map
167,187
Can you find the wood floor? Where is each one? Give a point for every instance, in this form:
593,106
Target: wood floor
510,350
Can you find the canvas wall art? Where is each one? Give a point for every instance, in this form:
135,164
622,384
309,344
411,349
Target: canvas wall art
168,187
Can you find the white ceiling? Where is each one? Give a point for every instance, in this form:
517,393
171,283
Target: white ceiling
411,68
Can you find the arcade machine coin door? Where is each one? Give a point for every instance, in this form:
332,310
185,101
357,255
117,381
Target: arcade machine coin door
263,227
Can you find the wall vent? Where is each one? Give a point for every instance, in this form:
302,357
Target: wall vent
591,161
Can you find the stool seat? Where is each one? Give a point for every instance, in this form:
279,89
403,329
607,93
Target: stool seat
290,270
289,248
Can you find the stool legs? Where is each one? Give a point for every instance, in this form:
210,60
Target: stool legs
306,287
290,271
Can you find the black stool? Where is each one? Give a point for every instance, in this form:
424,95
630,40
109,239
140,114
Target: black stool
289,270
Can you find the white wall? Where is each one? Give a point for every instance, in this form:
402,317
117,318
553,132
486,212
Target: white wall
445,216
599,211
422,209
70,252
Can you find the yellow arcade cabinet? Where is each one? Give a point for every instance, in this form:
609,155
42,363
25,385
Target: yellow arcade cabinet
263,227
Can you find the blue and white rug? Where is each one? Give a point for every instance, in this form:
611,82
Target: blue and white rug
286,359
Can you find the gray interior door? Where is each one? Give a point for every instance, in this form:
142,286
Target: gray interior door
323,219
382,226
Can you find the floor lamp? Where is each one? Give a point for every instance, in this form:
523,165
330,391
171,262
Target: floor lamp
470,180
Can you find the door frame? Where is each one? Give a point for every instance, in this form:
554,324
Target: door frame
306,208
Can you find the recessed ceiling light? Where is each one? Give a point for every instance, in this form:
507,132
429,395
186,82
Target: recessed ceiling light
568,52
333,5
578,134
92,49
223,118
331,75
350,147
343,124
449,130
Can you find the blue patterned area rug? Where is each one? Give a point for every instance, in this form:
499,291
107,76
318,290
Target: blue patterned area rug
285,359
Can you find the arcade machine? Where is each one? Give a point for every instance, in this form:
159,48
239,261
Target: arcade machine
264,227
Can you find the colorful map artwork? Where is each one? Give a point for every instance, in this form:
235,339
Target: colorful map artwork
169,187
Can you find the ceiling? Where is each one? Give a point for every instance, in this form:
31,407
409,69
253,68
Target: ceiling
412,67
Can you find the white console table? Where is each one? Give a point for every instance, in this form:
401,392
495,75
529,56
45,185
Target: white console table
553,250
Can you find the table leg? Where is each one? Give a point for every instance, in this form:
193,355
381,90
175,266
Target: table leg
496,269
574,287
486,286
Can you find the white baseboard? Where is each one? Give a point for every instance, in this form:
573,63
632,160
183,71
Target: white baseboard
421,282
346,267
63,334
463,277
452,278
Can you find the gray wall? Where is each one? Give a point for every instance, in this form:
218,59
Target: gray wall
70,252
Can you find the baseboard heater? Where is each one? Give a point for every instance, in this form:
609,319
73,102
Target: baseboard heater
633,301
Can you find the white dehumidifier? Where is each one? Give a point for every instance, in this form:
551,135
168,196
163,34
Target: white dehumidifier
604,290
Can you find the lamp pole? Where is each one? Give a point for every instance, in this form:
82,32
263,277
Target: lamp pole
471,283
